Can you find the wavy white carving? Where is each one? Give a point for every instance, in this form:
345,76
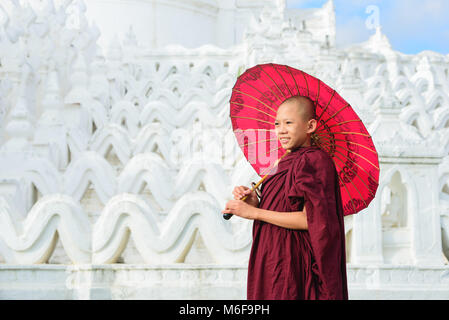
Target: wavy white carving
166,242
32,240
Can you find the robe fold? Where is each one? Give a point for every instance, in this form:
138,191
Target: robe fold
287,264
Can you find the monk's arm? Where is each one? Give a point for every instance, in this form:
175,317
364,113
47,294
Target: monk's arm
291,220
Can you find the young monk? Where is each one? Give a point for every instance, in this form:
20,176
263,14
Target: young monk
298,248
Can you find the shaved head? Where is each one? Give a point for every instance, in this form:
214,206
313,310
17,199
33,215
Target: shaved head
305,106
295,122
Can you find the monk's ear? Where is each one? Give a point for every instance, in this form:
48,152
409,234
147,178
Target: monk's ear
311,125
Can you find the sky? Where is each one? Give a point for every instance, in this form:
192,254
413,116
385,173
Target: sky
411,26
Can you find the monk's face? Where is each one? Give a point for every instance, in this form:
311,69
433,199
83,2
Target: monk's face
292,127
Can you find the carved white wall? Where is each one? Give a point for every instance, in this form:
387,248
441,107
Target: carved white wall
117,159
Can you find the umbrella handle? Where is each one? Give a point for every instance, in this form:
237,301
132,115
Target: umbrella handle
228,216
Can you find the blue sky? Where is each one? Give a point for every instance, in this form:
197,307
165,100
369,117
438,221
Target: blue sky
411,25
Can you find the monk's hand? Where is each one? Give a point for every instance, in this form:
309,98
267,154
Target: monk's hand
241,191
240,208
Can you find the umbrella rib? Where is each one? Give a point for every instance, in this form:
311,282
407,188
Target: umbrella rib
238,91
344,122
252,119
352,200
361,197
269,151
324,122
346,132
349,194
340,123
318,91
282,79
307,84
272,81
351,151
348,141
245,105
266,85
356,164
297,88
333,93
360,178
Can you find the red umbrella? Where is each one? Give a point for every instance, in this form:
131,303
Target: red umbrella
256,96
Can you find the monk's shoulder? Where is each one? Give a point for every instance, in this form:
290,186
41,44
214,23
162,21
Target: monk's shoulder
317,158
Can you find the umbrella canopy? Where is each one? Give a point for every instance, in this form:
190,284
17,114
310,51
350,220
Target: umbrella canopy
255,98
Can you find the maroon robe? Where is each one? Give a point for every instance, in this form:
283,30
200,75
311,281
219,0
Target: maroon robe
300,264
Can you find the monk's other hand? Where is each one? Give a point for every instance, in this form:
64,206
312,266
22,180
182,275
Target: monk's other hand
240,208
241,191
